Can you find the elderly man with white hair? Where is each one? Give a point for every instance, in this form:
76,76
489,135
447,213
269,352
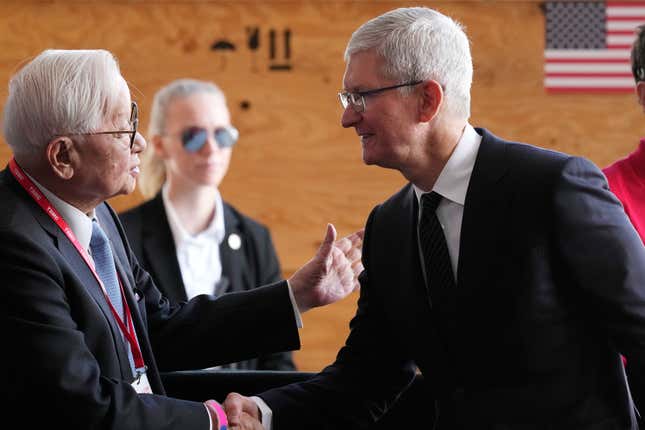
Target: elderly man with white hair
79,317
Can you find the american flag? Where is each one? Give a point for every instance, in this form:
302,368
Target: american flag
588,45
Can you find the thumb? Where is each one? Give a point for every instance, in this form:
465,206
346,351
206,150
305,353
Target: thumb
328,242
233,405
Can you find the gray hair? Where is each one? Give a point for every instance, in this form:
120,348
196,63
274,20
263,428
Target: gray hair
153,170
419,44
60,92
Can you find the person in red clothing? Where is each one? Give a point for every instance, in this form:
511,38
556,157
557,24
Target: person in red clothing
626,176
626,179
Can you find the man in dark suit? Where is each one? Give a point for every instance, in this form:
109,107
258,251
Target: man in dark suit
508,274
81,321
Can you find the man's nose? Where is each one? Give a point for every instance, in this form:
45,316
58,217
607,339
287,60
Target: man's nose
350,117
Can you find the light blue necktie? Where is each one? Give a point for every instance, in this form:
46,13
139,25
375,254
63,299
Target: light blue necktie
105,268
104,263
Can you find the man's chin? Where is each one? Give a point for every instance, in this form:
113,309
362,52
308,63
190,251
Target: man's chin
368,159
378,162
127,189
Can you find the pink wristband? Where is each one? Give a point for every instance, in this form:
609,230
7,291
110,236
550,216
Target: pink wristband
221,415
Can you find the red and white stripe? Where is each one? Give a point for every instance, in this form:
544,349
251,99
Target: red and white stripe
598,70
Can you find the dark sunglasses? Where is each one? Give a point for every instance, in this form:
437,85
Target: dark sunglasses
194,138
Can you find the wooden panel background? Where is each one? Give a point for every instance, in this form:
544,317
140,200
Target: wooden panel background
295,168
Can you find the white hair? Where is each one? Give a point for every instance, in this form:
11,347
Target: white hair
419,44
153,169
60,92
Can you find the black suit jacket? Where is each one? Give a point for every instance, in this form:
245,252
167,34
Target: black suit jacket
550,286
255,263
64,363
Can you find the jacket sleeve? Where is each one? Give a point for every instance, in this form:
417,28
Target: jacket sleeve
215,330
361,385
269,272
606,261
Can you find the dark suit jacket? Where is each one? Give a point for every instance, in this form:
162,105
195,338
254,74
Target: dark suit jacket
64,364
255,263
550,289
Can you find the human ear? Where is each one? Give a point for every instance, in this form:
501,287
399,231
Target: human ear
431,100
60,154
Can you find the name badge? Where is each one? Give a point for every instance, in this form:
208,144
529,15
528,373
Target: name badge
141,384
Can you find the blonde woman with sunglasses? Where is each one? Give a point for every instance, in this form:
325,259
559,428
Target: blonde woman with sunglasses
189,239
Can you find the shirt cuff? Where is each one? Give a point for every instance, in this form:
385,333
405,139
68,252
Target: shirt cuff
265,410
210,420
296,312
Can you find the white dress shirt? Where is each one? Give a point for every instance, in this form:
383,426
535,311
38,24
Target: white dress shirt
80,223
198,255
452,185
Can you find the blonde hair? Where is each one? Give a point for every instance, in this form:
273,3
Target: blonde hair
153,169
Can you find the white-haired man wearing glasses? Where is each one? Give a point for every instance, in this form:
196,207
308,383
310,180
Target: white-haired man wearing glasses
508,274
79,316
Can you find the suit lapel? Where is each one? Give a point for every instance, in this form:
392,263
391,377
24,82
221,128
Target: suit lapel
87,278
77,263
487,204
82,271
403,287
125,275
396,236
159,249
234,270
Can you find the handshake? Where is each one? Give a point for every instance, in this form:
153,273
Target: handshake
238,413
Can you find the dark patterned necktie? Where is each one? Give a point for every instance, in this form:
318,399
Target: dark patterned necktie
441,282
443,296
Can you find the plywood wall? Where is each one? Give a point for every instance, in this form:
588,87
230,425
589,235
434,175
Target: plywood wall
295,168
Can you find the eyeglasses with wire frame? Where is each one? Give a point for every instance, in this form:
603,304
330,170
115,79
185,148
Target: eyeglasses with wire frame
357,99
134,121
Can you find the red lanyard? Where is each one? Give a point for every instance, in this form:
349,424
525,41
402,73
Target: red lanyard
34,192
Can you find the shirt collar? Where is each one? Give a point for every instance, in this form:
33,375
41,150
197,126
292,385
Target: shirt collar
77,220
215,229
453,180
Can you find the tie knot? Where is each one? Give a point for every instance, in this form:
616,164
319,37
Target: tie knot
98,239
430,201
